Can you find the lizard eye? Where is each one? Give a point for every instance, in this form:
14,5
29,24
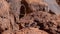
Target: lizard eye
58,2
22,11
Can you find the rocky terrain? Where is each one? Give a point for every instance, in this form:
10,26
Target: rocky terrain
29,16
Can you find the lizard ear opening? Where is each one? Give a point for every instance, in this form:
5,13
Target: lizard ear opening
51,12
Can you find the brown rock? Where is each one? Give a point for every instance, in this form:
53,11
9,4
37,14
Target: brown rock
31,31
4,8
